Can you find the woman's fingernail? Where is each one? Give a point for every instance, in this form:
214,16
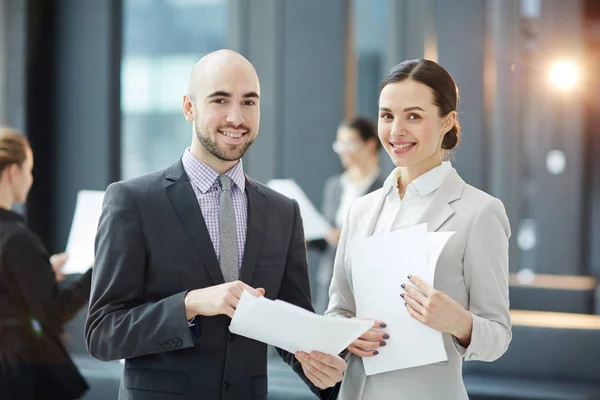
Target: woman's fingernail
386,336
382,344
383,325
410,276
375,352
402,295
403,285
406,304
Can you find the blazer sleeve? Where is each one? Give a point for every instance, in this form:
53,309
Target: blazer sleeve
486,276
34,277
122,322
341,296
295,289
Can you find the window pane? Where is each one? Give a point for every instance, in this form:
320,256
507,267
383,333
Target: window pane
370,38
162,39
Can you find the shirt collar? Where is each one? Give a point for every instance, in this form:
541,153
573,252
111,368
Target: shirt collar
204,177
425,184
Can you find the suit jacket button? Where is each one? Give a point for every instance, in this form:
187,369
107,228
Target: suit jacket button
231,337
226,385
177,342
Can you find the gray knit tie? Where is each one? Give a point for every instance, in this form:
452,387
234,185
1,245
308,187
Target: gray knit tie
228,247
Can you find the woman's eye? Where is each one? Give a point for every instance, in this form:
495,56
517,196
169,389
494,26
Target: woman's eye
414,117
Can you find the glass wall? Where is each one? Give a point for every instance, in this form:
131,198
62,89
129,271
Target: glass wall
370,47
162,39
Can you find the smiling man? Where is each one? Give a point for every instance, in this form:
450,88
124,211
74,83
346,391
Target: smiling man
175,250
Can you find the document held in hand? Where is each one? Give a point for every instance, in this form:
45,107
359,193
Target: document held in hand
80,245
380,264
315,224
293,328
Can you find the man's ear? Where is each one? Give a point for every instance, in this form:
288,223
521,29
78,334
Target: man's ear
188,108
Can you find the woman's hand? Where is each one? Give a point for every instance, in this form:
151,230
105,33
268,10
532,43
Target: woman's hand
367,344
437,310
333,237
58,262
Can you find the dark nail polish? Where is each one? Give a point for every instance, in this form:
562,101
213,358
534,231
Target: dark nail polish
386,336
382,344
410,276
403,285
406,304
383,325
375,352
402,295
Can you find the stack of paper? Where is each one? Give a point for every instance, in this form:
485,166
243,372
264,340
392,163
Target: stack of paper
315,224
80,245
292,328
380,264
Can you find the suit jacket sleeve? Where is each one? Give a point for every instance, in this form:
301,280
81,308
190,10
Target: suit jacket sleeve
295,289
486,276
122,322
33,275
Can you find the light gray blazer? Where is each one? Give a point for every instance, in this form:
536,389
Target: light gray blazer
472,269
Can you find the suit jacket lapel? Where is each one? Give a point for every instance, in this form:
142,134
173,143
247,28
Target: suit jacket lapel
373,214
183,199
255,233
439,210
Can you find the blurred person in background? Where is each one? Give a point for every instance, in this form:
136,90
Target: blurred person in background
358,146
34,363
418,126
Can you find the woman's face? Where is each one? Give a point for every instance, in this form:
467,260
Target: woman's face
22,179
409,125
350,147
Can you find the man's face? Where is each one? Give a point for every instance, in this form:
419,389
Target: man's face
226,110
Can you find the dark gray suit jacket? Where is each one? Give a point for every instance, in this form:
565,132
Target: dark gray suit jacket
152,247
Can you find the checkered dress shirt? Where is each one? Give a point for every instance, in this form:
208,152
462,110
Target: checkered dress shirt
205,182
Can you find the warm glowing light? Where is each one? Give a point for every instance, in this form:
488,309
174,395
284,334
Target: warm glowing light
564,74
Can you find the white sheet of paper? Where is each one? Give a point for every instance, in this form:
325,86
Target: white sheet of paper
315,224
80,245
293,328
380,264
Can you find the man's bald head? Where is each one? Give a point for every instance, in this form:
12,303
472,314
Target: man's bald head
223,103
218,63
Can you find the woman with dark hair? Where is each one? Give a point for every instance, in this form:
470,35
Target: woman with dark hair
418,127
358,146
34,364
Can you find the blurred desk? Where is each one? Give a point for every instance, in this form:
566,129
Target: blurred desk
558,293
553,356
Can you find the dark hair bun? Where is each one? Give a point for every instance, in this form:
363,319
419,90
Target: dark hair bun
452,137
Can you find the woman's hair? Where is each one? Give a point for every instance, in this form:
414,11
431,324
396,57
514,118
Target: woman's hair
365,128
13,147
445,90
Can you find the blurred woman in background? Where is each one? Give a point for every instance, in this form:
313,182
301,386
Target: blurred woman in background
357,145
34,364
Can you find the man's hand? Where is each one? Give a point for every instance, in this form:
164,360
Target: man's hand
216,300
58,262
323,370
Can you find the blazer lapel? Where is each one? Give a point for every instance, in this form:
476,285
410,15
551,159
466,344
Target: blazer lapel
439,210
255,233
183,199
373,215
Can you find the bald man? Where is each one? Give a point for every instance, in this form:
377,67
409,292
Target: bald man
176,249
